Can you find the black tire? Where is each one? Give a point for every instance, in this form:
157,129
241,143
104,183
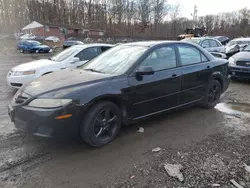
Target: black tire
96,130
212,95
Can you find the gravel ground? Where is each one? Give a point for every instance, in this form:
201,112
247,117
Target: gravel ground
211,145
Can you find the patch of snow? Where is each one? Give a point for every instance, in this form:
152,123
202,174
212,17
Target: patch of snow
174,170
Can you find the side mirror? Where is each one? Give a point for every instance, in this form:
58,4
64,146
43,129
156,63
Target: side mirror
145,70
75,59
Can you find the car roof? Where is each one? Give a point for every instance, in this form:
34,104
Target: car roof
242,39
92,45
150,43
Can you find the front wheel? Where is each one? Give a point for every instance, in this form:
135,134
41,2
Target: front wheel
212,95
101,124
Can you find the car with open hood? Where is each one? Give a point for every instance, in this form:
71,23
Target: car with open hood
72,57
127,83
236,45
240,64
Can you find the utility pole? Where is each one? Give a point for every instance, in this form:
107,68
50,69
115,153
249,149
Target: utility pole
195,13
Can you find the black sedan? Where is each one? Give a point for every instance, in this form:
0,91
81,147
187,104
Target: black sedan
240,64
125,84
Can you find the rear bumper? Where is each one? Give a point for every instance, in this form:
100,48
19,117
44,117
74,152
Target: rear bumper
43,122
240,72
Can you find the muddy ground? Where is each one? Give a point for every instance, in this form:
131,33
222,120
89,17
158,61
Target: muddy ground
211,145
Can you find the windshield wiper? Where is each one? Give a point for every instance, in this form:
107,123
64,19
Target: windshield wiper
93,70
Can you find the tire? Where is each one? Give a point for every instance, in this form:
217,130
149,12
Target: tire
212,95
95,129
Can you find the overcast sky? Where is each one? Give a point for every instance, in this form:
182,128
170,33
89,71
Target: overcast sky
210,6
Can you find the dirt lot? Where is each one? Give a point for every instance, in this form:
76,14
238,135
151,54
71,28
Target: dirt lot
211,145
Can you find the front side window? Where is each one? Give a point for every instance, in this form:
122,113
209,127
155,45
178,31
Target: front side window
161,59
205,44
190,55
117,60
88,54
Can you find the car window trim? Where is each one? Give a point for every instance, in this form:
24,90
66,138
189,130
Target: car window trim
208,43
147,53
197,50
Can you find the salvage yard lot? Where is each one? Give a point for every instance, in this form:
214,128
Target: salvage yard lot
212,146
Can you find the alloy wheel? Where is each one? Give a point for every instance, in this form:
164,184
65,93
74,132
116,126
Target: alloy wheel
105,124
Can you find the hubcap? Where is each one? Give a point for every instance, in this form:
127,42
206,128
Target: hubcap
213,93
105,124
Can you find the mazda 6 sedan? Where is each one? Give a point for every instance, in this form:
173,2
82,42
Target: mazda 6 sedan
123,85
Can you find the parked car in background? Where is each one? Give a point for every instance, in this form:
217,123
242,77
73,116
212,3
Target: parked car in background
71,42
210,44
240,64
219,55
127,83
236,45
223,39
27,37
72,57
52,39
32,46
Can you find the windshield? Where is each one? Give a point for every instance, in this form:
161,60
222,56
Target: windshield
117,60
247,49
65,54
35,43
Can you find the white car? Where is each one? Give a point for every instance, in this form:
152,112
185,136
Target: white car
72,57
27,37
52,39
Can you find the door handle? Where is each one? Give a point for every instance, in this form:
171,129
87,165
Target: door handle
174,75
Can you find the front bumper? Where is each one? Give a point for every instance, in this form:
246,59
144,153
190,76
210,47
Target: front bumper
43,122
19,81
240,72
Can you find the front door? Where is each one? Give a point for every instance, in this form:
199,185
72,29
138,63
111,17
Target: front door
150,94
196,73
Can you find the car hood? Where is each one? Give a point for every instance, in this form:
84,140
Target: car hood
33,65
64,80
242,56
228,48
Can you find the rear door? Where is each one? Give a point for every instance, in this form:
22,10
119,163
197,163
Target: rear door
195,72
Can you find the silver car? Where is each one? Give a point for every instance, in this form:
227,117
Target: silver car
210,44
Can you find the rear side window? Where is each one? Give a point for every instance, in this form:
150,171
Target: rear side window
213,43
190,55
104,48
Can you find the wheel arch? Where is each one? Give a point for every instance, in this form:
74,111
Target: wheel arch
112,98
217,76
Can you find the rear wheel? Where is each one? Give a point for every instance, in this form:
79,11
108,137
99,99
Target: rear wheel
101,124
212,95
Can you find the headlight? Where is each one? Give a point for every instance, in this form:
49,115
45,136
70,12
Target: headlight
49,103
19,73
231,61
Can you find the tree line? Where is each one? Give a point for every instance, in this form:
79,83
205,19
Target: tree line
129,18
